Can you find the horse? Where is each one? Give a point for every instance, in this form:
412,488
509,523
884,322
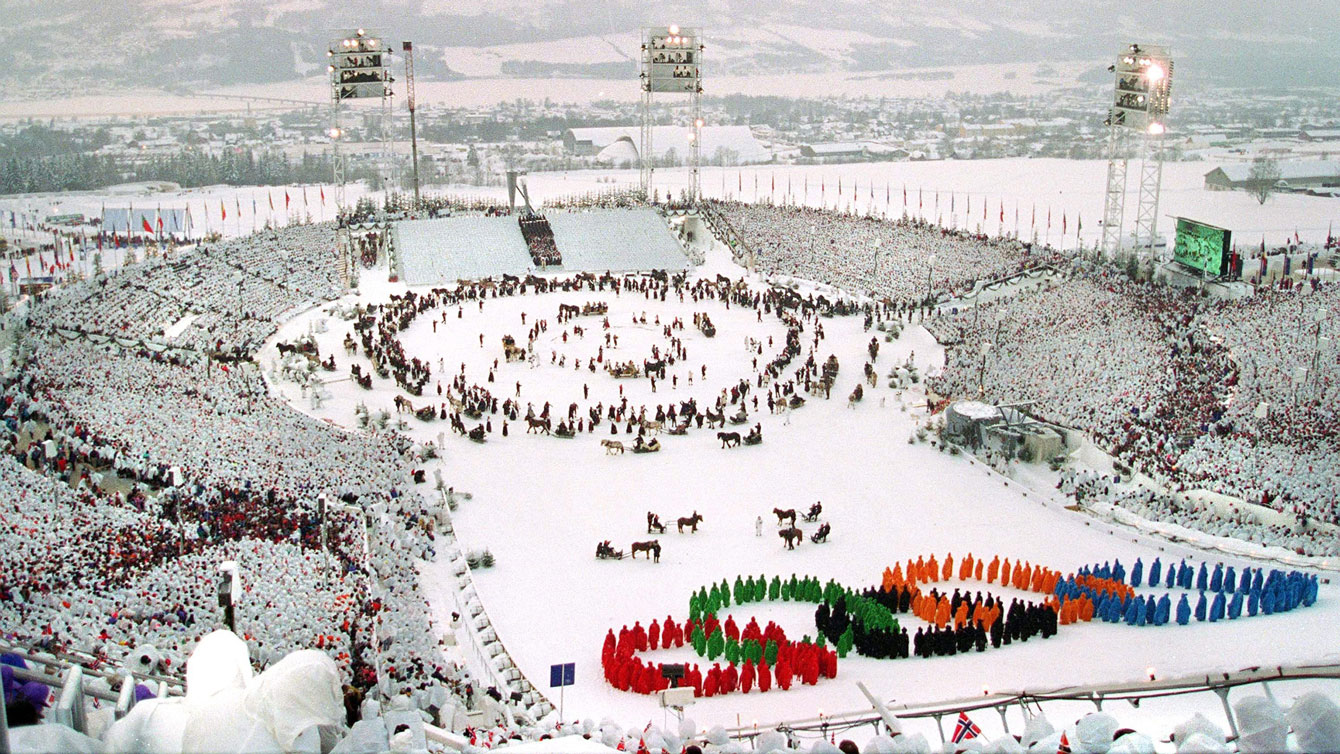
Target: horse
402,404
540,424
715,420
612,447
782,515
652,426
690,521
652,548
793,537
855,397
729,439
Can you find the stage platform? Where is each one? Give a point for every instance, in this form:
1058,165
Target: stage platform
469,247
618,240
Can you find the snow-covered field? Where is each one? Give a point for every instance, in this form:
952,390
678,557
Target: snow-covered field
1071,190
541,504
492,87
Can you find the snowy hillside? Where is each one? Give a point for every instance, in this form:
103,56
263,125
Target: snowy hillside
208,43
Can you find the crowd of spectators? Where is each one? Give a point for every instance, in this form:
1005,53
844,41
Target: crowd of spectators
1196,393
130,472
903,260
231,291
540,240
1090,487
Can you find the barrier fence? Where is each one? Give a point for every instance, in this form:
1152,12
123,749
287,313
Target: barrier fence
1220,684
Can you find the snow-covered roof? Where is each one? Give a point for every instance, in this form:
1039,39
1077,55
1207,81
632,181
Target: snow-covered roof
836,147
976,410
738,139
1289,171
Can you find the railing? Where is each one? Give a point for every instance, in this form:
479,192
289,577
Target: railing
492,661
724,231
1097,694
991,285
69,674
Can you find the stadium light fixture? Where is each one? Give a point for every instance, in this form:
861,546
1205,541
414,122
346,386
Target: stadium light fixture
674,29
1155,72
1157,129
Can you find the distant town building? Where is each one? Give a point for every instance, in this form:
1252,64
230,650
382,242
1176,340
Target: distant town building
1296,176
847,151
616,145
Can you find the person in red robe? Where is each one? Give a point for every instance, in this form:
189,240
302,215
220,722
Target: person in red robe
764,676
713,681
747,676
729,678
654,635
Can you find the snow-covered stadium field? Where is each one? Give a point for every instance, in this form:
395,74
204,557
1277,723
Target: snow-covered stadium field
541,504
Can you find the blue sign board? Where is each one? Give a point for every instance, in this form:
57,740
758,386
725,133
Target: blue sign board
562,675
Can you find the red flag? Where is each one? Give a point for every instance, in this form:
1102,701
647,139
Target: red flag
1034,222
919,205
323,196
147,227
904,194
1049,218
286,200
1063,223
1002,210
839,185
269,195
223,210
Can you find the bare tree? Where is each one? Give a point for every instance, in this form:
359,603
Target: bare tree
1264,175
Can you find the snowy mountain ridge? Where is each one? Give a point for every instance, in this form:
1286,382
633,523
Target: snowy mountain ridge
192,44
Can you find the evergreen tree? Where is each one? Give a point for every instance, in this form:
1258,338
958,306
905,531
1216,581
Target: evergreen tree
770,652
732,651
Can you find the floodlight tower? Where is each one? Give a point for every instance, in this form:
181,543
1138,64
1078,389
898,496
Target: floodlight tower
671,64
1143,82
360,68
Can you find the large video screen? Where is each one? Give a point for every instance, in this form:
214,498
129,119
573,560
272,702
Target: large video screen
1203,247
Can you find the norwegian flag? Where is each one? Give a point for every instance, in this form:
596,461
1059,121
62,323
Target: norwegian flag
965,729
